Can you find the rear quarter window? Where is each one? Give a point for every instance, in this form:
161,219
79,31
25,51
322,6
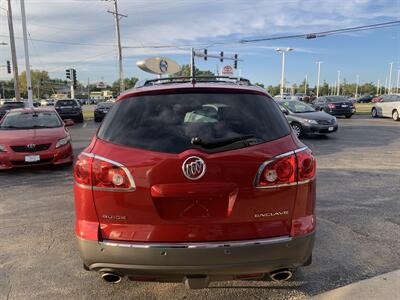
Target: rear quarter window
168,123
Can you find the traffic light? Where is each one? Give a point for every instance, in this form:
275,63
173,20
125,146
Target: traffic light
221,56
68,73
205,54
8,67
74,77
235,62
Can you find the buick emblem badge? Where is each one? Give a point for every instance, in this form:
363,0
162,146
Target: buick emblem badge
31,146
193,168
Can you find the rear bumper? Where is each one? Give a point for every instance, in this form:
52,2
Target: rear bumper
320,129
213,259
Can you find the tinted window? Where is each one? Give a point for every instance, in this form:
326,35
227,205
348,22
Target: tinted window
67,103
14,105
168,123
336,99
24,120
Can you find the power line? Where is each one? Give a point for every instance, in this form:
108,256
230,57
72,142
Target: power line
309,35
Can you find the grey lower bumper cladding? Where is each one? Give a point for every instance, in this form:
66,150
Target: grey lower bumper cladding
181,259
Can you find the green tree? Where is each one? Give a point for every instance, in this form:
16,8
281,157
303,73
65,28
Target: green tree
38,78
260,84
128,82
185,71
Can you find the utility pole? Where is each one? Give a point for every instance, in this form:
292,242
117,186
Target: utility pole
13,52
117,17
88,89
358,78
390,78
386,83
338,83
28,67
305,85
319,71
378,88
192,66
283,51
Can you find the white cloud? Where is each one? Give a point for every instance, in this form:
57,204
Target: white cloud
175,22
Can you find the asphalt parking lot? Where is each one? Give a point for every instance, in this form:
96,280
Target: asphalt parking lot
358,225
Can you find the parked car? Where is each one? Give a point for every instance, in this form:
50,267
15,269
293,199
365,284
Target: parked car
195,182
365,99
50,102
335,105
304,119
388,106
102,108
8,105
69,109
284,96
34,136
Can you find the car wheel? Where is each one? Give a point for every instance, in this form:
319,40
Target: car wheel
348,116
80,119
395,115
374,113
296,127
97,120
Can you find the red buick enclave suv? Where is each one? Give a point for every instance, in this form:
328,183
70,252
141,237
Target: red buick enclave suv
195,182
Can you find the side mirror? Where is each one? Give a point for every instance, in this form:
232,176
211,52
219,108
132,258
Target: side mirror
69,122
285,111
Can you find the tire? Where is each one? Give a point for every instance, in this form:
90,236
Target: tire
79,119
97,120
374,113
395,115
348,116
297,129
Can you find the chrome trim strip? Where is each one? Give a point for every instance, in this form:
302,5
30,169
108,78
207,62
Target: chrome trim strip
264,164
200,245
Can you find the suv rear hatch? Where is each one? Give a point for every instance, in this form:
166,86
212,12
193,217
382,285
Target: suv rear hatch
189,165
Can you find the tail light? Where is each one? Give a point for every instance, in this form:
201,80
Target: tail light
331,106
287,169
281,170
306,165
102,174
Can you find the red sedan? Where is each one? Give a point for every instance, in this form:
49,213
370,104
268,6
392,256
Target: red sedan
34,136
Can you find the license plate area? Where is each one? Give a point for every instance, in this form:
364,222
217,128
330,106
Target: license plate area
32,158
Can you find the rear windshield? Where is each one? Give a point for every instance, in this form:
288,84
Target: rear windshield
14,104
169,123
66,103
336,99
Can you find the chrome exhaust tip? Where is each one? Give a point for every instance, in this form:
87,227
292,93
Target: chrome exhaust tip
111,277
281,275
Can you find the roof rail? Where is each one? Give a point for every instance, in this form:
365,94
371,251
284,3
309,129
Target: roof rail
184,79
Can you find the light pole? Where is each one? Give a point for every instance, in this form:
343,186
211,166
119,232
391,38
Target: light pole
283,51
378,87
27,65
319,71
398,81
358,78
338,83
305,85
390,78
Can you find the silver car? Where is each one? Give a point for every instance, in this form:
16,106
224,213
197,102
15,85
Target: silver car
389,106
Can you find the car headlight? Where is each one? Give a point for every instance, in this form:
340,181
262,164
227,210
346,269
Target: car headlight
63,141
311,121
2,148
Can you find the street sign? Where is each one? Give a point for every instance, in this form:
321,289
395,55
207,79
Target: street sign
101,85
159,65
227,70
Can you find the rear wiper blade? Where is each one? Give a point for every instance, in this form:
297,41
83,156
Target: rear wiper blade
220,142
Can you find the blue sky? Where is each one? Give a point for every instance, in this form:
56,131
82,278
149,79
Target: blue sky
186,22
